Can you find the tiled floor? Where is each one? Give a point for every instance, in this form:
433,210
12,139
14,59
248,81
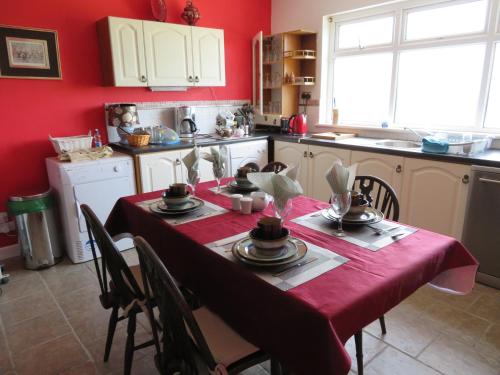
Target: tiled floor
51,322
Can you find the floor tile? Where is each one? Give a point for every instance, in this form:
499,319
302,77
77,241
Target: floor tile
5,362
22,285
488,307
405,331
27,308
52,357
451,356
371,347
393,362
28,333
68,278
88,368
255,370
489,344
457,301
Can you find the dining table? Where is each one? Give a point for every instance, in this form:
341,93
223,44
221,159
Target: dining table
304,326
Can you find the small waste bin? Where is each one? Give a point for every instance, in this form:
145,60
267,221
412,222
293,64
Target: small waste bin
38,229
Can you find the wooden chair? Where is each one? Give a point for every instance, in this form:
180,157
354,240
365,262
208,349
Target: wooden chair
254,166
380,195
195,341
274,166
125,289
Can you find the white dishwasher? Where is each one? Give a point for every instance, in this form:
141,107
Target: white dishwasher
97,183
482,223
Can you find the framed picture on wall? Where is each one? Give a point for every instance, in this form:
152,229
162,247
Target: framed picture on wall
29,53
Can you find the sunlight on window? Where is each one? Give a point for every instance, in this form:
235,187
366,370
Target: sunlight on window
366,33
456,19
493,109
362,87
439,86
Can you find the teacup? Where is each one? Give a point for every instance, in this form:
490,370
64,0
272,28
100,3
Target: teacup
270,227
269,245
177,190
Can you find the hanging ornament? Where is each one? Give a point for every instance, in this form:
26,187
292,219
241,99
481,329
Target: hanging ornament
191,14
159,10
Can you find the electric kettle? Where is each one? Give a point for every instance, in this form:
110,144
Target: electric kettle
298,124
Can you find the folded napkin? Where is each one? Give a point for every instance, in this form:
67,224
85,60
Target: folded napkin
192,161
87,154
435,145
218,158
291,171
279,186
341,178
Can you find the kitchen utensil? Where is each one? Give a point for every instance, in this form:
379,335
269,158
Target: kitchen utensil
185,122
245,244
380,231
235,201
298,124
341,202
294,266
246,205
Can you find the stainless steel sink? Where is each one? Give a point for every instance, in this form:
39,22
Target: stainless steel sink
392,143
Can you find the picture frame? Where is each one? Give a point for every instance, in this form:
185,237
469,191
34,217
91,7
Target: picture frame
29,53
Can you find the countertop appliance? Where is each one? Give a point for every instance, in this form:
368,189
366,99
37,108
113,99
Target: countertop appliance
185,122
482,222
98,183
297,124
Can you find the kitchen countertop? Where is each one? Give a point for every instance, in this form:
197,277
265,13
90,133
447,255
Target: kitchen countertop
489,158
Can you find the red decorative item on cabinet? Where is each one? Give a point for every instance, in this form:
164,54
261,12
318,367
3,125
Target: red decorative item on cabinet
191,14
159,10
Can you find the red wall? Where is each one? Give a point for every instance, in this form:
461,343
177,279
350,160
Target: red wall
32,109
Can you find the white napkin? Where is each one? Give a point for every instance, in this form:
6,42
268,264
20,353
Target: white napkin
192,161
341,178
279,186
290,171
218,158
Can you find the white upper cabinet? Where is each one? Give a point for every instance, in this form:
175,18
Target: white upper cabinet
435,195
122,45
146,53
168,54
208,57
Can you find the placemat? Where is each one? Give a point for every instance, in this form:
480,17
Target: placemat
208,210
360,235
325,260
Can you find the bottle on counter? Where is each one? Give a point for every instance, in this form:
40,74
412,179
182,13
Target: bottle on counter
97,139
335,114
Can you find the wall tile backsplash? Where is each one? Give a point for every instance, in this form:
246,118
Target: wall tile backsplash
163,113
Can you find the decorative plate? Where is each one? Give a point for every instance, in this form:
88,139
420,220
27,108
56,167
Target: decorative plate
244,246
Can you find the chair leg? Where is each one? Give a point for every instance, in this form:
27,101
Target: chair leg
358,340
382,324
276,367
129,348
113,319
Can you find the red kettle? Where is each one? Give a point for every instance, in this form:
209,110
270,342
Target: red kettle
298,124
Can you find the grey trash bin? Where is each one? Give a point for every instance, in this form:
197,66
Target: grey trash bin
38,229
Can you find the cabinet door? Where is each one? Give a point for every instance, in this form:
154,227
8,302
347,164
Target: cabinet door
320,159
294,153
205,167
434,196
127,51
387,167
168,54
159,170
208,57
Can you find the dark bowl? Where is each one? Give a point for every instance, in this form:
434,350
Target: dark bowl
264,244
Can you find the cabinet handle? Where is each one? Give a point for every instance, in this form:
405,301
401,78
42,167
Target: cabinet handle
305,154
177,162
143,79
311,155
465,179
190,78
196,79
399,168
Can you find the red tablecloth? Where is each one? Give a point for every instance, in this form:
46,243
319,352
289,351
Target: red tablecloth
305,327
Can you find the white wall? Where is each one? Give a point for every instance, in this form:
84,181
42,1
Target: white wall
290,15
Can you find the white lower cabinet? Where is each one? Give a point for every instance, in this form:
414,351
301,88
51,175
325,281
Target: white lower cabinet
160,169
434,195
313,162
387,167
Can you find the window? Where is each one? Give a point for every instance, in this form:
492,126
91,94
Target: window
419,63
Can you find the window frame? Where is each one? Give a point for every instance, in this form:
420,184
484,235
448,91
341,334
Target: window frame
490,36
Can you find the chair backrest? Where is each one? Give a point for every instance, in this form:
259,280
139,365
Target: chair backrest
125,286
274,166
177,352
379,194
254,166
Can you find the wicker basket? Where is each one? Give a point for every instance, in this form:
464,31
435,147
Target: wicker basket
138,140
68,144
